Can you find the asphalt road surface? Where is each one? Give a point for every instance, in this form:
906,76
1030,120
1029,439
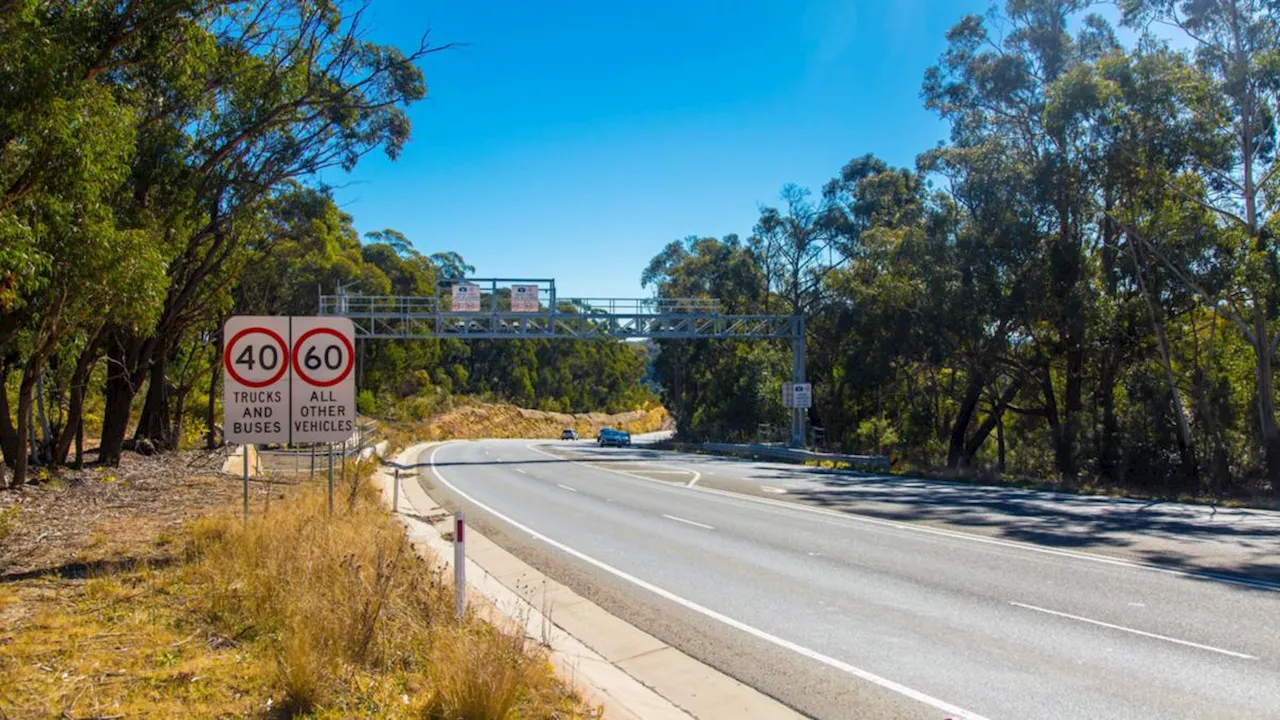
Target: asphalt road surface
881,607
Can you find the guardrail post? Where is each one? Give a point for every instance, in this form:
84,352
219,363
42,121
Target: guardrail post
460,563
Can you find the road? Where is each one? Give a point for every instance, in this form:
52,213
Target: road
842,615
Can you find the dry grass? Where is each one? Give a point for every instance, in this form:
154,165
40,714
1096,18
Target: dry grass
296,613
487,420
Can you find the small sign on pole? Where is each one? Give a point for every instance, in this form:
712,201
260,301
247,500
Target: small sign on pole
524,298
802,394
466,297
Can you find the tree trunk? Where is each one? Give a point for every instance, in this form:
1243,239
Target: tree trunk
118,396
1109,457
153,425
1266,394
1000,442
990,422
10,441
1061,449
960,427
1073,405
73,429
210,417
25,397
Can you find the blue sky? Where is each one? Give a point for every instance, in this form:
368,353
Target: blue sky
573,140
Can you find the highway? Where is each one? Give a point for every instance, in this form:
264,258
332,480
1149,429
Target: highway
863,615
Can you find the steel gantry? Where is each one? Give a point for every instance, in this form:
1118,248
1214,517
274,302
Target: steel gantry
408,317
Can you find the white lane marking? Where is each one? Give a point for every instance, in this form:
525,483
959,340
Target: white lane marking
870,677
521,471
773,490
690,522
566,487
1143,633
587,457
852,517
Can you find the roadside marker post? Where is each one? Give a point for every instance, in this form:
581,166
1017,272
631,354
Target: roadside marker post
395,493
460,562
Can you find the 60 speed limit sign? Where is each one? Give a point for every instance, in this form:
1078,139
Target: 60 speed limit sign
288,379
324,388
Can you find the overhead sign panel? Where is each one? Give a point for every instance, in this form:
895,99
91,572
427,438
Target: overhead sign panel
524,298
466,297
255,391
288,380
324,386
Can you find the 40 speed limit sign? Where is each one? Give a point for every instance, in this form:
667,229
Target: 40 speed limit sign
288,379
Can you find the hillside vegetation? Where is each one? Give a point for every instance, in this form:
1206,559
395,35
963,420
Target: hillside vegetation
159,172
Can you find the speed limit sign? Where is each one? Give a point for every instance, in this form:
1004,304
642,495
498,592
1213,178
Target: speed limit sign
323,388
255,399
288,379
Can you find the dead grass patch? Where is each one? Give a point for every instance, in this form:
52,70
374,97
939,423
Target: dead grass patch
294,614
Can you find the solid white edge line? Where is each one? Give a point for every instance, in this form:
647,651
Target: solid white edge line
708,612
690,522
566,487
1143,633
855,517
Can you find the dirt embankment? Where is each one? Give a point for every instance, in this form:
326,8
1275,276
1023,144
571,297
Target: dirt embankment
508,421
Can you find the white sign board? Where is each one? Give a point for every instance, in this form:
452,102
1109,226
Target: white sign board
466,297
255,390
788,395
288,380
324,384
802,394
524,298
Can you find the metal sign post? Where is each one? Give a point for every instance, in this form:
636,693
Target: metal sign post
245,449
330,478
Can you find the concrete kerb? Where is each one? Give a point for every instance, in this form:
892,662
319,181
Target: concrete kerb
609,660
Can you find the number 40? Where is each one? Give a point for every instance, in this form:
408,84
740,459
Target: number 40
268,357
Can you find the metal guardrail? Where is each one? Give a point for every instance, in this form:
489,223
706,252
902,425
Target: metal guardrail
872,461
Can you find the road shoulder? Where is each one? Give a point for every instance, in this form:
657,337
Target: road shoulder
628,671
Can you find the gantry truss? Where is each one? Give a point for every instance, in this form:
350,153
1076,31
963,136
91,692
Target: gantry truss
410,317
407,317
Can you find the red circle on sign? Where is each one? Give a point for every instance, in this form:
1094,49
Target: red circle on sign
231,368
297,347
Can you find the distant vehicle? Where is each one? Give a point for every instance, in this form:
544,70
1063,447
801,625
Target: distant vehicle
569,434
616,438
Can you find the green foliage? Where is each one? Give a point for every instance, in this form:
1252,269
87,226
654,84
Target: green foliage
366,404
1080,285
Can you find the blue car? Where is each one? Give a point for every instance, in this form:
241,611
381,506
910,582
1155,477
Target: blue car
616,438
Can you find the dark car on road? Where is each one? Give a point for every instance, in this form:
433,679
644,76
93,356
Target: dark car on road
569,434
616,438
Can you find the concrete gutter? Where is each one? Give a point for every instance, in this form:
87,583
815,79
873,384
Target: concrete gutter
632,674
